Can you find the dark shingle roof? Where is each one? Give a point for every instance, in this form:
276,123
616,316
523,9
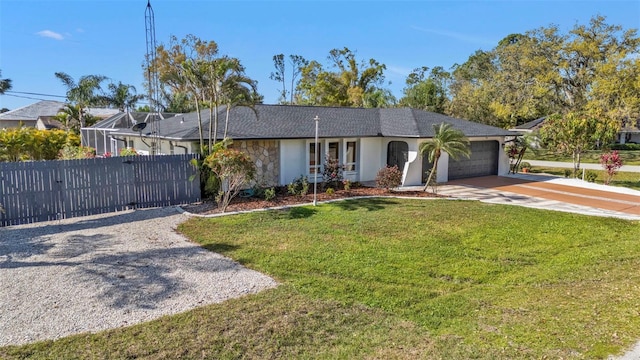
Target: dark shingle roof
531,125
295,122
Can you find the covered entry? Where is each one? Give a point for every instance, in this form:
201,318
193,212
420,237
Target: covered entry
483,161
397,154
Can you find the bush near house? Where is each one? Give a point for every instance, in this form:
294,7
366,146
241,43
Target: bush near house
389,177
299,186
235,169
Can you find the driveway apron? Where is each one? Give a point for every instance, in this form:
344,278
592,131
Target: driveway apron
625,203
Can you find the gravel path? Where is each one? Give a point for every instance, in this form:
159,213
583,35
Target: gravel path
99,272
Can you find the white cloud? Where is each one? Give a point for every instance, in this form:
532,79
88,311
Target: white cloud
457,36
50,34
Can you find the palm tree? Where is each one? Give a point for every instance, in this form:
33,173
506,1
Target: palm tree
192,75
237,89
5,84
123,96
84,93
69,115
446,139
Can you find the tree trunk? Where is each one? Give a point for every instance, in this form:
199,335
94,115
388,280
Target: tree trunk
215,119
433,171
576,163
210,122
518,161
200,124
226,122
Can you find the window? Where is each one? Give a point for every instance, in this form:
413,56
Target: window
350,156
315,158
333,151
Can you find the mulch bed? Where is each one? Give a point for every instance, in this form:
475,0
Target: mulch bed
285,199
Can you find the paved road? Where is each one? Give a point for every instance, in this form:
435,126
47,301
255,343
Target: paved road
560,164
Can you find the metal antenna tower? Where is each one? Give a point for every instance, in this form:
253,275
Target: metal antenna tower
152,78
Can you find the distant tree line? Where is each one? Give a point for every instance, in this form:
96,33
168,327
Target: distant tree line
593,70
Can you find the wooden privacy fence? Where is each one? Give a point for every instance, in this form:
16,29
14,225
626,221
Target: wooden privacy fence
50,190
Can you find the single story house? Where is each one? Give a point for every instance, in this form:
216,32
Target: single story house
281,141
49,123
628,133
28,115
44,110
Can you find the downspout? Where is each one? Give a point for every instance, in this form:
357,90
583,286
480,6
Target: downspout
119,139
175,145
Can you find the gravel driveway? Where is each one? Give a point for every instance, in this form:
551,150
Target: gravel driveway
99,272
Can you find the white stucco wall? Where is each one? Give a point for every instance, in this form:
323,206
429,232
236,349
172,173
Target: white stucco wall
293,160
373,157
503,161
443,168
164,146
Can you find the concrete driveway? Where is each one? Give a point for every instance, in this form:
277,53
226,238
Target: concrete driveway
551,193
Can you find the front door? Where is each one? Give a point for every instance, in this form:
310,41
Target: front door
397,154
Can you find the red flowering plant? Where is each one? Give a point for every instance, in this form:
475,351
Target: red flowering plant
332,173
611,162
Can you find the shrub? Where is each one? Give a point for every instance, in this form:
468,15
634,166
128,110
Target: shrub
625,147
568,172
330,191
611,162
299,186
389,177
76,152
332,172
525,165
234,169
269,194
591,176
346,184
128,152
28,143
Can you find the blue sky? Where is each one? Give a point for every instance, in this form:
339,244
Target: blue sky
82,37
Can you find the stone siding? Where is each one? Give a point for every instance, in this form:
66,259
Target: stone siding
266,156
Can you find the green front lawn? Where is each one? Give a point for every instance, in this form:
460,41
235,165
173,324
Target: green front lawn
629,157
390,278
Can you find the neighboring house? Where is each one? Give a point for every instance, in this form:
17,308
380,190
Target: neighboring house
48,123
46,110
280,139
629,132
99,136
530,126
28,115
